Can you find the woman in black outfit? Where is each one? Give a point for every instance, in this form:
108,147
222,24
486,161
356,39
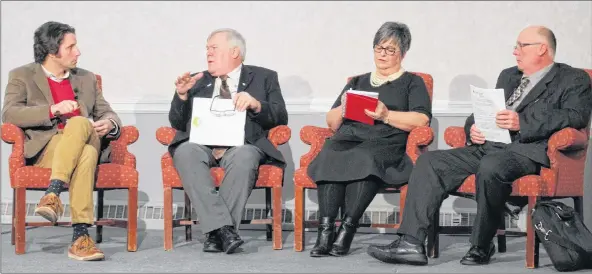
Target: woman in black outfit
360,158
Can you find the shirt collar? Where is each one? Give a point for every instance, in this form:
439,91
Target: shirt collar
540,74
53,77
235,73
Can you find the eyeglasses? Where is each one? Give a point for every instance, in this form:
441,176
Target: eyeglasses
521,45
219,113
389,51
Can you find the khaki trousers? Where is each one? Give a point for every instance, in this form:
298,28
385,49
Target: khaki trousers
72,155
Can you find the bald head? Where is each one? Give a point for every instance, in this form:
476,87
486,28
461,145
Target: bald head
542,35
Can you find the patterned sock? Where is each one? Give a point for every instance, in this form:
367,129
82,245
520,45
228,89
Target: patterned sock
55,186
79,230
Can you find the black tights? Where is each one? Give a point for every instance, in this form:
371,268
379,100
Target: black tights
353,197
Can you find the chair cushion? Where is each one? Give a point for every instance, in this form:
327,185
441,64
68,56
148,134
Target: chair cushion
108,176
530,185
269,176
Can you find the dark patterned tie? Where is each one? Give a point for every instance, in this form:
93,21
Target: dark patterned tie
518,91
224,90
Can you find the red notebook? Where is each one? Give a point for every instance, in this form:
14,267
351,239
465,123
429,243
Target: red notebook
355,104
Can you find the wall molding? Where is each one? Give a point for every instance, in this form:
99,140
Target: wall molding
441,108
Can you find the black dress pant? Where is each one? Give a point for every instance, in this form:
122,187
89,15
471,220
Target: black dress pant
438,173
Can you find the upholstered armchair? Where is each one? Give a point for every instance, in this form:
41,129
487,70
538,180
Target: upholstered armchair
417,143
270,178
119,173
563,179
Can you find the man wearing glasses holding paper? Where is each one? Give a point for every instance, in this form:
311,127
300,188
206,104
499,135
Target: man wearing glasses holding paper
542,97
255,90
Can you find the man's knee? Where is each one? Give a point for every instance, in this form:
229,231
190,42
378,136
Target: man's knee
89,154
426,159
79,124
493,168
190,152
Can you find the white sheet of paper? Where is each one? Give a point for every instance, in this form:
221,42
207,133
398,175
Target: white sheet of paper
364,93
222,126
486,104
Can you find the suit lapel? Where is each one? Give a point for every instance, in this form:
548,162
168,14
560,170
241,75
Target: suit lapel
41,80
537,90
76,84
208,85
245,79
512,85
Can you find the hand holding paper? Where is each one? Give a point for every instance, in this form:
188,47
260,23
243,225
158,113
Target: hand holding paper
486,105
508,119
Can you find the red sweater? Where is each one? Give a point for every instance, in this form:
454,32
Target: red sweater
62,91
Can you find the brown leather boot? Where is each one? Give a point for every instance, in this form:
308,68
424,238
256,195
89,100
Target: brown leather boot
50,207
84,249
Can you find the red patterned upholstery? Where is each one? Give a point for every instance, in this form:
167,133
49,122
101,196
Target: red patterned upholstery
417,142
565,178
121,173
270,177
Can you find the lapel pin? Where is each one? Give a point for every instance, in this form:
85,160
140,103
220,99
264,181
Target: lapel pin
209,84
243,84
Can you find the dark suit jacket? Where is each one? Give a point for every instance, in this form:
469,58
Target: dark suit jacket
263,85
28,97
563,98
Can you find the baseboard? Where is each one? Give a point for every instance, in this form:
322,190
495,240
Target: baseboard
151,215
293,105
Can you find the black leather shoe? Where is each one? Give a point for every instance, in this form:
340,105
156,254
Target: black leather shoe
213,243
399,252
345,236
230,240
478,256
325,238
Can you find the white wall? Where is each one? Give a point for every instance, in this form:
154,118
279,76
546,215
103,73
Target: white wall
140,48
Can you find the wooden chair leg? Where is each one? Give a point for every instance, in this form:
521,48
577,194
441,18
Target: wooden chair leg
501,235
132,219
168,218
187,216
402,198
19,220
579,206
434,237
277,218
299,218
532,242
100,201
268,210
13,214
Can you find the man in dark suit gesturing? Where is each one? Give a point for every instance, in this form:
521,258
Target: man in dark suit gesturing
253,89
542,97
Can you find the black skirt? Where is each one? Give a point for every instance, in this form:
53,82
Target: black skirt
346,157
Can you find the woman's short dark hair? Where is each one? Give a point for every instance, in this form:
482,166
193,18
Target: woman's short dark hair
398,32
48,38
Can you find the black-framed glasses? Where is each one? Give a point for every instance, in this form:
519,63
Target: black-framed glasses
389,51
218,112
521,45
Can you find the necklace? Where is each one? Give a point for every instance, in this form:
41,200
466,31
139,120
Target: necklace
376,81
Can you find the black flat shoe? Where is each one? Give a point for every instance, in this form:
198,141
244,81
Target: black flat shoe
399,252
213,243
478,256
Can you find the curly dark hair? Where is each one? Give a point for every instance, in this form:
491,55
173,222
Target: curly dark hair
48,38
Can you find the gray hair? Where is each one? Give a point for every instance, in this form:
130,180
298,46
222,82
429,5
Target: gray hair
398,32
235,39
